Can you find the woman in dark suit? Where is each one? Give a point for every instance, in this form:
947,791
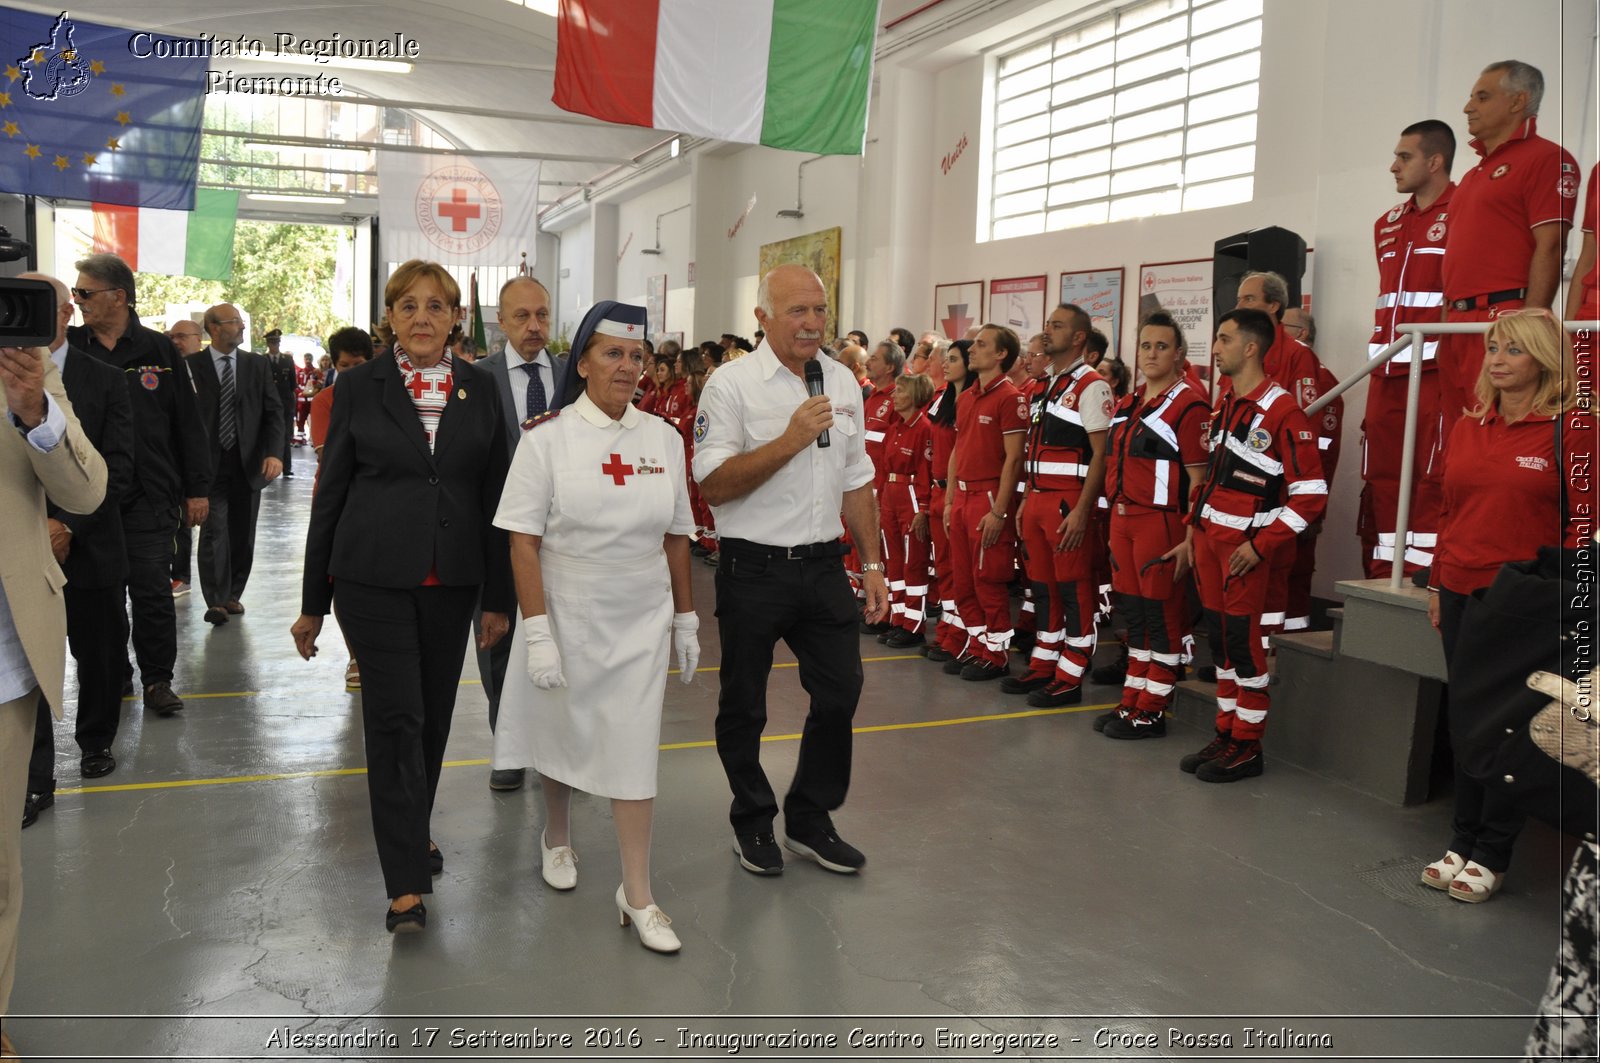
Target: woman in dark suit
402,543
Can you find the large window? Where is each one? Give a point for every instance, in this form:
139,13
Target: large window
1147,110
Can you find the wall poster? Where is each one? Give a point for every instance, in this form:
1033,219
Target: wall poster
818,252
1019,304
956,307
1183,289
1098,291
655,306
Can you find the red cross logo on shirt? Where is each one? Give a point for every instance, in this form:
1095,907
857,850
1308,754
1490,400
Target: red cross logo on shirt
458,210
616,470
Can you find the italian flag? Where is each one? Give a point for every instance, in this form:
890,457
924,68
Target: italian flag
791,74
186,243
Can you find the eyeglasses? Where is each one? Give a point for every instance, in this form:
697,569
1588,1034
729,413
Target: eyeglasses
84,293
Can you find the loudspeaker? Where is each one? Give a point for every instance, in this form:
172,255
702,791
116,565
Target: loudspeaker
1272,248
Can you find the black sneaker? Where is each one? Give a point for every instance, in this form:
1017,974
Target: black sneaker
1139,725
885,636
955,664
938,654
1102,721
1056,695
983,671
1241,760
759,853
1022,642
1025,684
1114,673
875,629
1213,750
904,640
33,804
159,696
825,847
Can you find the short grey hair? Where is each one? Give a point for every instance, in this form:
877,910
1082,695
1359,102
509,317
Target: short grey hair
894,356
1310,324
108,269
1273,287
1518,76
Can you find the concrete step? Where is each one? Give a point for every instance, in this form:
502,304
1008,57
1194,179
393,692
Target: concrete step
1390,628
1336,617
1318,643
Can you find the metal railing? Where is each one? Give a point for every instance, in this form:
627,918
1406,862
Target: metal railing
1412,339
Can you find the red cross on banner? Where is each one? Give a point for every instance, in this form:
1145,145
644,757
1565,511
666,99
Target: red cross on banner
616,470
458,210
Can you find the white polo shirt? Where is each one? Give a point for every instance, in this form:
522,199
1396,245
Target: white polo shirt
746,404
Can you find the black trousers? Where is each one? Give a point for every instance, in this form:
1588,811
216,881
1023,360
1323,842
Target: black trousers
149,527
182,555
1485,825
410,644
228,537
809,605
492,667
97,634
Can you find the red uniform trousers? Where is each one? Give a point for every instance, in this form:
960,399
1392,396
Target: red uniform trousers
1155,608
1233,606
981,574
1460,359
1065,579
951,635
905,558
1384,427
1027,616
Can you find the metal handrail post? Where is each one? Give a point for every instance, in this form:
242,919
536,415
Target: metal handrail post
1408,456
1374,363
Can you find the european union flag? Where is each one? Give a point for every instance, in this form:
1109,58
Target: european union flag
83,117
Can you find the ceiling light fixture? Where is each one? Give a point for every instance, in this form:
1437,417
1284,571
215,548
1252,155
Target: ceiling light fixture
284,197
375,66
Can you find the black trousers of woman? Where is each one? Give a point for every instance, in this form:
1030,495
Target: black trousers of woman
410,644
1485,826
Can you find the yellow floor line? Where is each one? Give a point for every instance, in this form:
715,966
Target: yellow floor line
479,762
479,682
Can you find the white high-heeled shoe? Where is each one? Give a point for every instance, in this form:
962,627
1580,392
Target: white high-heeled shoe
655,929
560,865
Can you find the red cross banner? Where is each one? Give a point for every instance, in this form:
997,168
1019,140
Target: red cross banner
461,210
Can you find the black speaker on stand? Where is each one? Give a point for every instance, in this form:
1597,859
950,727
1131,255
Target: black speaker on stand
1272,248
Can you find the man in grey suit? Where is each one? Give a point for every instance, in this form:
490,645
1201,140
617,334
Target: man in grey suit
529,379
245,421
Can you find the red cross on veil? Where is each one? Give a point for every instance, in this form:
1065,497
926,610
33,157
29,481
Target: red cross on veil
616,470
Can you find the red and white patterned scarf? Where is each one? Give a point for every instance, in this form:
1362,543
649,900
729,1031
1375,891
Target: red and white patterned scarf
429,389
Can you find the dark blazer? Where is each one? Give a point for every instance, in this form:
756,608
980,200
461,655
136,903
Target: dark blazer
260,418
387,511
500,369
98,557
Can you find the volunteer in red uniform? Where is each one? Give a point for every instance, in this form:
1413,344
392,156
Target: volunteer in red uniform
1508,222
1064,468
1263,488
672,391
1583,295
1329,426
1035,364
991,421
1511,484
884,365
950,639
903,509
1296,369
1409,241
1155,461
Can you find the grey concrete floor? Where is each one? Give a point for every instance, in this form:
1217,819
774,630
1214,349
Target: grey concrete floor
1025,875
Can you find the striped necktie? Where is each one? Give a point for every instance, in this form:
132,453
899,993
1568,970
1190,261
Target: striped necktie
227,424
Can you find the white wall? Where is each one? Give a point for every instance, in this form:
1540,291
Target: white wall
1340,78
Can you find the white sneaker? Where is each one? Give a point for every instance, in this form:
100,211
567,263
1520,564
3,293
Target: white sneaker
655,929
560,865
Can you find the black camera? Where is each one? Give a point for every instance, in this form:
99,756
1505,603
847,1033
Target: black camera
27,313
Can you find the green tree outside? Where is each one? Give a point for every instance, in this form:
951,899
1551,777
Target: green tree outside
282,277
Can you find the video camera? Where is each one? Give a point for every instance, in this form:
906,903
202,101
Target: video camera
27,313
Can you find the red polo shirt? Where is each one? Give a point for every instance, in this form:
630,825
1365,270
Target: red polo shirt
1503,494
1591,280
1526,182
877,413
984,417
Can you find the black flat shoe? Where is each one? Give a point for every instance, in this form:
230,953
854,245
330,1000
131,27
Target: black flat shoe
35,803
435,861
410,921
94,765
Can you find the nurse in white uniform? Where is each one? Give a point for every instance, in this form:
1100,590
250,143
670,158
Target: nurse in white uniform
598,510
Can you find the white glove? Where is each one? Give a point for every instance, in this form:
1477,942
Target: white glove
544,659
685,628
